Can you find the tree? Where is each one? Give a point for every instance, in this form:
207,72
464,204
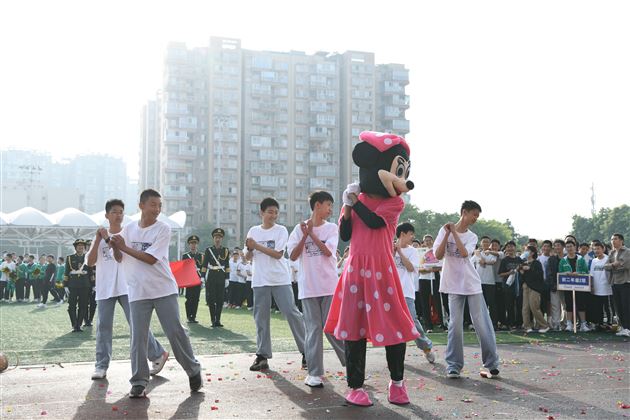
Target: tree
602,224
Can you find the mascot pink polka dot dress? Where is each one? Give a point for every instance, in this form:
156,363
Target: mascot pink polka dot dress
368,304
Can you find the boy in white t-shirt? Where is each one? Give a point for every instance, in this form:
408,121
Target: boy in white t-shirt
601,288
244,270
265,246
151,285
312,247
407,261
455,244
111,287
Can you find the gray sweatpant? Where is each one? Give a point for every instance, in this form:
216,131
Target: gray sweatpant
105,325
480,317
315,314
167,311
283,295
423,342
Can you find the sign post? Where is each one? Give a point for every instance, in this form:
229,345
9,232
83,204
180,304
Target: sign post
574,282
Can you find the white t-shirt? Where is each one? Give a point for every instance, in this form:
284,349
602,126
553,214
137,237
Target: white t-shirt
486,273
266,270
317,273
233,274
245,269
543,261
408,278
11,265
293,268
601,286
146,281
459,276
110,277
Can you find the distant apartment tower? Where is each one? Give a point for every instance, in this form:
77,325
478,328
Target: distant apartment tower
238,125
149,176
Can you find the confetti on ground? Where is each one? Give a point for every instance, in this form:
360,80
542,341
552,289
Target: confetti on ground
438,398
114,408
44,412
214,407
467,400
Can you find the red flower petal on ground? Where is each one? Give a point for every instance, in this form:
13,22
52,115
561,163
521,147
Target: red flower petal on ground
114,408
439,398
214,407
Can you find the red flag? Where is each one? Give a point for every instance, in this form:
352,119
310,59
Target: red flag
185,272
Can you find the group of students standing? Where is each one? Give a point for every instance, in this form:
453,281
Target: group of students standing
520,288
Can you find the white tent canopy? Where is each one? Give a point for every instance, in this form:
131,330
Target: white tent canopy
29,228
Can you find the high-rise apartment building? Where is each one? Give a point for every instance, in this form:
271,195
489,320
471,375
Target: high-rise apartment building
238,125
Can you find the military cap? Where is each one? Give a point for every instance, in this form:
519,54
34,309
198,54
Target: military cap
193,238
218,232
79,242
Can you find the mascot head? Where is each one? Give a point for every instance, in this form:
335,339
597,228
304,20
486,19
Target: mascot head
383,161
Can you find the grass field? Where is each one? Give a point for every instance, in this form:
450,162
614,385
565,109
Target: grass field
42,336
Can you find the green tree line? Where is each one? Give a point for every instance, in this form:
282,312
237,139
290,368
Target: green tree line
602,224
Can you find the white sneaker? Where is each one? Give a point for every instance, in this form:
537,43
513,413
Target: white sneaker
430,356
314,381
99,373
529,330
41,305
159,363
543,330
584,327
623,333
569,326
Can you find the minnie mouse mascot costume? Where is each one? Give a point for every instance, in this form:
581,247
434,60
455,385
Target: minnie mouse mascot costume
368,303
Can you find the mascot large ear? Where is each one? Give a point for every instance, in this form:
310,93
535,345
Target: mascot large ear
365,155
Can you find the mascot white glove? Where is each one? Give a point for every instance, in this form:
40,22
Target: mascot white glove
353,188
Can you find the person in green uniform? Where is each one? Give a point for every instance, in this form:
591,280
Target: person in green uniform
77,279
192,293
20,284
32,272
61,269
216,268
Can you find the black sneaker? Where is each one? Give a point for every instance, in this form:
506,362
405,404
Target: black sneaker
304,366
137,391
453,374
218,324
193,321
195,382
259,364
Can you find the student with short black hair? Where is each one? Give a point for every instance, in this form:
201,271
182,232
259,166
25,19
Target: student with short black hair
111,288
511,292
311,245
265,246
407,262
573,263
455,244
533,280
152,286
601,289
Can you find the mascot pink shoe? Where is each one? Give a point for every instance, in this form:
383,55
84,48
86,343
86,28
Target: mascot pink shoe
358,397
397,394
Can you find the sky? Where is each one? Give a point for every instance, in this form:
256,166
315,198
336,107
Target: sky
518,105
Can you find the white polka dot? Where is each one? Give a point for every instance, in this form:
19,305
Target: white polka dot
362,272
376,295
379,338
362,332
379,275
390,290
360,304
368,273
344,334
387,307
399,334
414,331
390,269
387,141
350,269
354,288
340,295
368,307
